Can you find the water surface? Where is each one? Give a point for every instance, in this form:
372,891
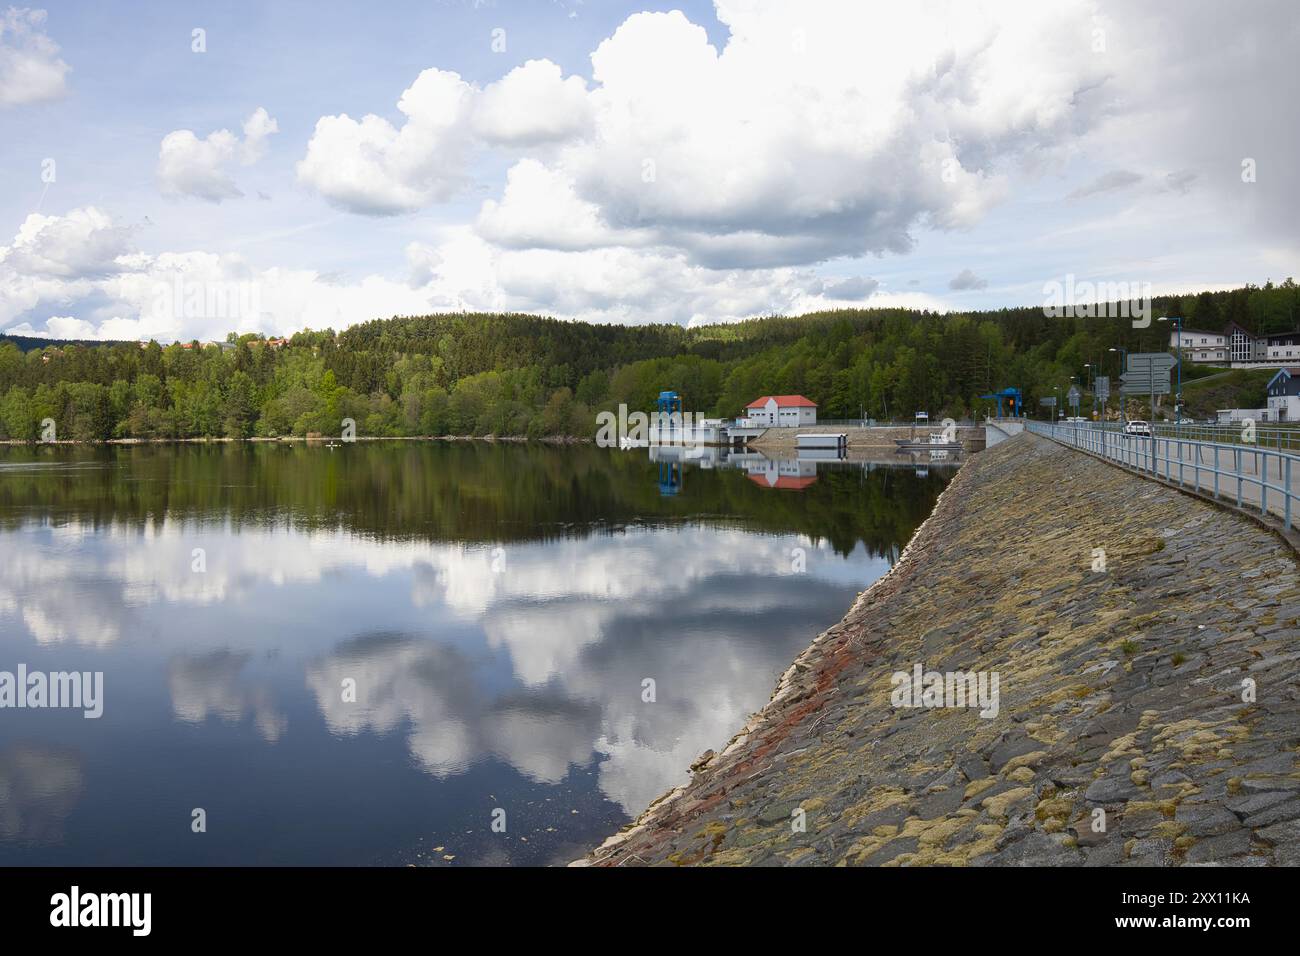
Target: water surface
499,610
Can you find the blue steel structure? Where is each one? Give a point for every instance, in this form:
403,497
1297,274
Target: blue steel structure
669,408
670,477
1014,399
669,403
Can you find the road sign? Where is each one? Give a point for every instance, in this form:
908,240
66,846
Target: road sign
1102,388
1073,396
1050,402
1131,380
1156,363
1147,374
1142,385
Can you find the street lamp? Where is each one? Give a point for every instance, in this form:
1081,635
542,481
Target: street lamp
1178,399
1092,384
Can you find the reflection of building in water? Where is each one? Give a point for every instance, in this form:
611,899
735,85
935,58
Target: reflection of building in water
701,456
823,454
792,474
670,477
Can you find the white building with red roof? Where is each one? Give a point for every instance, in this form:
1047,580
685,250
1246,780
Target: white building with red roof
783,411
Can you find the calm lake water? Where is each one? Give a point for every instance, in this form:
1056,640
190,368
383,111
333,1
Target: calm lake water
497,608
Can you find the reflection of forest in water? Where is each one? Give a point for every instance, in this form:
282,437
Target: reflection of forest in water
499,605
456,491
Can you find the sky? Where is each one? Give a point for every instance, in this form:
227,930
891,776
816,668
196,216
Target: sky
176,170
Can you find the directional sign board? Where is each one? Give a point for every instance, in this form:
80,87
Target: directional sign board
1143,385
1102,388
1050,402
1148,374
1157,362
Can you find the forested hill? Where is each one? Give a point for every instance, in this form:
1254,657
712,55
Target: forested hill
470,373
28,343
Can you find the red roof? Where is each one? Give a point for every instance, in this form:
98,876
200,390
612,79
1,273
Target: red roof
783,401
785,481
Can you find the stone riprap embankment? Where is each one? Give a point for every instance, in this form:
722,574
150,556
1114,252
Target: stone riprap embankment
1148,713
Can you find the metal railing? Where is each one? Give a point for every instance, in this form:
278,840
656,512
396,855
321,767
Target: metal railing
1236,433
1254,476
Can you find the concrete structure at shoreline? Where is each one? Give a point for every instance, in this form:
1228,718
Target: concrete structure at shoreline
1144,644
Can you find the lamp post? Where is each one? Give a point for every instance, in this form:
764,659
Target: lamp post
1092,385
1178,395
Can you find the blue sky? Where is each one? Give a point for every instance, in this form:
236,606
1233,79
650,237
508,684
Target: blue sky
629,162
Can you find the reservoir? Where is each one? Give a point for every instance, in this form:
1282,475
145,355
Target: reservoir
370,654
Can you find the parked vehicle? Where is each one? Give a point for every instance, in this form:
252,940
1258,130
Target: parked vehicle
1137,428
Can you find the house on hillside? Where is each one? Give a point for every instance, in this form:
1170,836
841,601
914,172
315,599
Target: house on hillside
783,411
1245,346
1199,345
1284,395
1237,346
1283,346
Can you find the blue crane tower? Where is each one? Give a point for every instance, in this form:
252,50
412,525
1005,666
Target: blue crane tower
1015,401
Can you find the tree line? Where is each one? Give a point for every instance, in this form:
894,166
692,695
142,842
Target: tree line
522,375
467,492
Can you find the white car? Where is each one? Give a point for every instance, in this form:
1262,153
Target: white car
1137,428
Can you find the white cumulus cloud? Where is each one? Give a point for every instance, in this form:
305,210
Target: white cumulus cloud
819,130
532,104
372,167
30,67
201,168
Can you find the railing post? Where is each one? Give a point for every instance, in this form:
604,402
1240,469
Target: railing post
1237,469
1287,497
1263,485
